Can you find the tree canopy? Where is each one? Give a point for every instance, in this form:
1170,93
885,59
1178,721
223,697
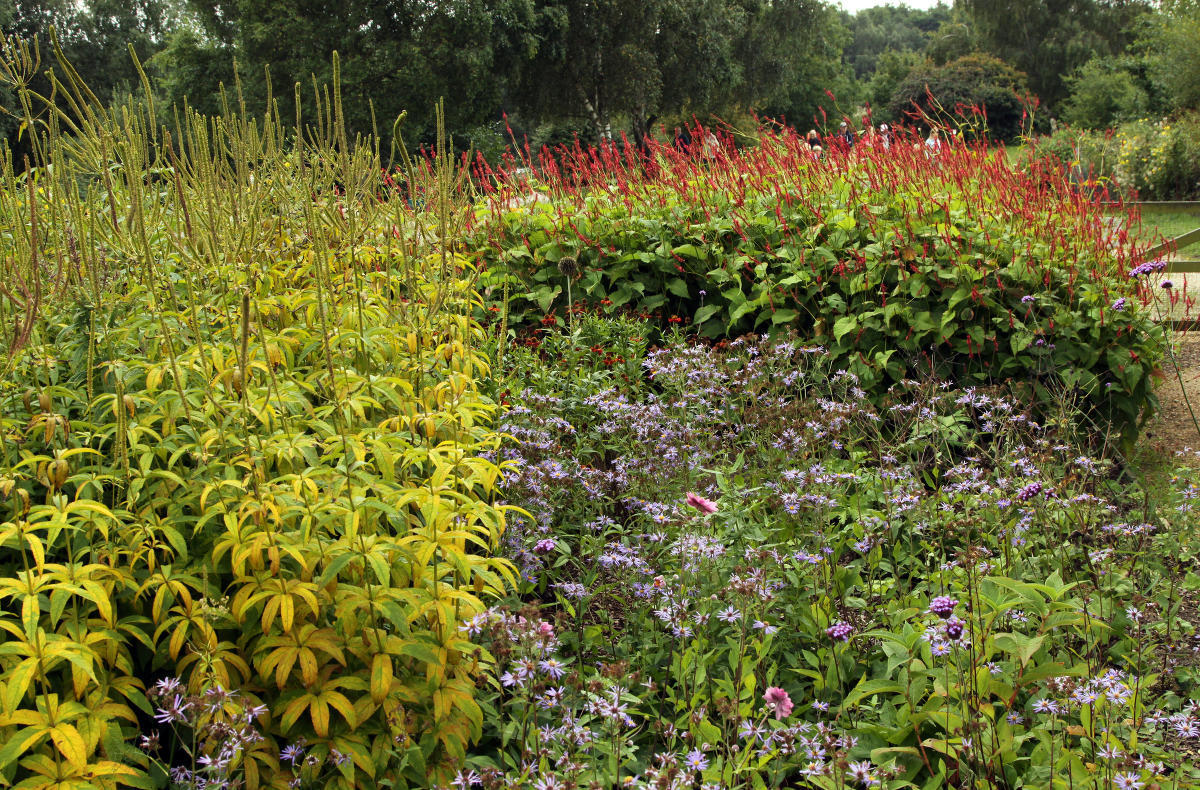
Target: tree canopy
606,67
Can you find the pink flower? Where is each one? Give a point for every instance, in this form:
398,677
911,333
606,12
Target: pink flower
778,701
701,504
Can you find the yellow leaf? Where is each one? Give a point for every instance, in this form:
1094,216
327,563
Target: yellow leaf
381,676
320,717
70,744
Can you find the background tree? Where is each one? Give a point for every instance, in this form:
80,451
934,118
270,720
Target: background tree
95,35
891,70
1049,39
395,55
1104,92
949,94
792,56
1172,44
889,29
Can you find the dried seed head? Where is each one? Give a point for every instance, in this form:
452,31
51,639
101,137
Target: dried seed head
568,266
57,472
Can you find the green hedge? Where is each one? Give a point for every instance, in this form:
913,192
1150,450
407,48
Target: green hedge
901,263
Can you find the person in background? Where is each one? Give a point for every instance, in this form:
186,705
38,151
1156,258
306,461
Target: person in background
683,139
885,137
813,139
933,143
846,134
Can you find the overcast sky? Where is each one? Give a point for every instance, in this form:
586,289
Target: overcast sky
858,5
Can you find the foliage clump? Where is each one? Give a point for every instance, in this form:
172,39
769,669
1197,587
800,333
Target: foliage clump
244,503
904,260
740,572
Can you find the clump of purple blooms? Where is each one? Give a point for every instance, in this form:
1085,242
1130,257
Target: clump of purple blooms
829,505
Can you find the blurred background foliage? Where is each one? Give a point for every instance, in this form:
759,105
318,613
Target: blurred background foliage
543,71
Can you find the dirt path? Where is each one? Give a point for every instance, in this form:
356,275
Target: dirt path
1174,429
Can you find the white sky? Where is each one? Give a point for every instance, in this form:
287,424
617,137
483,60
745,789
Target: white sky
858,5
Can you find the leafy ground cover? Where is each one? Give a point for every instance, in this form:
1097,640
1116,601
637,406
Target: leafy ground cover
737,571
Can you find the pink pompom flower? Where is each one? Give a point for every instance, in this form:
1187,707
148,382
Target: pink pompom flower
701,504
778,702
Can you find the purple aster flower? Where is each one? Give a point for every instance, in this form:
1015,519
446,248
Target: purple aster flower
943,606
552,667
173,711
292,753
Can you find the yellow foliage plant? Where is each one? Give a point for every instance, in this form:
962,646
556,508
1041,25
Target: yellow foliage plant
245,475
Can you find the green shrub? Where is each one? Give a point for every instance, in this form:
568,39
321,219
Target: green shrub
965,88
1140,160
1104,93
1160,160
900,263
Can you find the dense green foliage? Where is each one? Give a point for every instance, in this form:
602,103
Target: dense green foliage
541,71
1173,52
1104,93
1049,39
964,92
244,492
886,29
1149,160
739,573
900,262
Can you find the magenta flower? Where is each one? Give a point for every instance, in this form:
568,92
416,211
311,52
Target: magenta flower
701,504
778,702
840,632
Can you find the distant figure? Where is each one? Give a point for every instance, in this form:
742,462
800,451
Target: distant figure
846,134
933,144
683,139
885,137
712,146
813,139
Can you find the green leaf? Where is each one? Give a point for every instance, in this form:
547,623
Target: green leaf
545,297
21,743
844,326
1020,645
706,312
868,688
